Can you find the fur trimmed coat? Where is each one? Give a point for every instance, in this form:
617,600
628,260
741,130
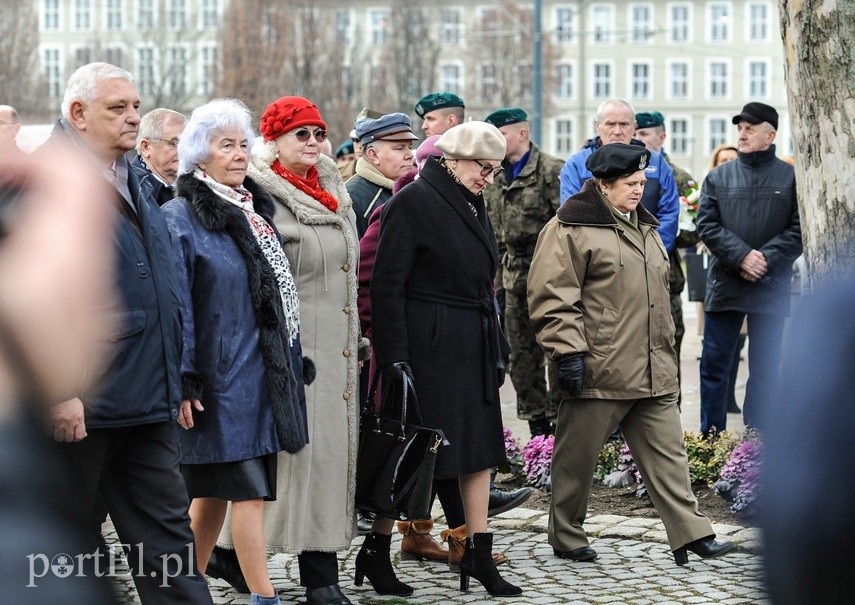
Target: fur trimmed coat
236,355
316,487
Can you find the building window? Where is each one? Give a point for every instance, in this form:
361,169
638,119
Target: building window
177,70
758,79
641,22
679,84
209,14
640,80
449,78
114,15
145,73
565,21
718,133
209,60
342,26
451,27
718,80
679,28
487,81
758,22
524,81
564,81
50,16
719,22
82,56
53,72
602,20
82,15
602,80
177,14
115,56
678,136
379,27
146,14
564,139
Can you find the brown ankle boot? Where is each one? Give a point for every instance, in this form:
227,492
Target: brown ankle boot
456,539
418,544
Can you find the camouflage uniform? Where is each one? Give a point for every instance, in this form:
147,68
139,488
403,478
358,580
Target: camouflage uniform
677,279
519,210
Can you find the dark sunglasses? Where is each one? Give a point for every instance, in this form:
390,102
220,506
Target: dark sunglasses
303,135
486,169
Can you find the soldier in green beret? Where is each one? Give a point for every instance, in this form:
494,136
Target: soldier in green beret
439,112
522,198
650,129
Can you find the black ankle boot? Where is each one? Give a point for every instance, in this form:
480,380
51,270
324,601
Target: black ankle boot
705,548
477,562
373,562
224,565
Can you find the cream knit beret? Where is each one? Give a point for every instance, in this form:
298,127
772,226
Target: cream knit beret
473,141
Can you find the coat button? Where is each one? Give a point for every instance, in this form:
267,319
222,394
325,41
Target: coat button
346,395
346,267
347,310
338,227
346,353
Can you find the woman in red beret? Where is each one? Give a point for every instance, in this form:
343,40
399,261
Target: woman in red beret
314,513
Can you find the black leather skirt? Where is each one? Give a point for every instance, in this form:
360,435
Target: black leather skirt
232,481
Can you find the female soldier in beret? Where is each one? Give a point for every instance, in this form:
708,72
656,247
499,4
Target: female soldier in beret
598,298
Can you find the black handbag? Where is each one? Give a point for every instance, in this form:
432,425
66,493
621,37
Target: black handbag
697,266
395,462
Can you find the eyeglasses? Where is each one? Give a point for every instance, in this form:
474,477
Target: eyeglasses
486,169
171,142
303,135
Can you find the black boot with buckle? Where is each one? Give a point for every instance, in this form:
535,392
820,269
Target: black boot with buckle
373,563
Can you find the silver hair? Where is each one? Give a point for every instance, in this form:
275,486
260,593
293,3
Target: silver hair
83,83
152,123
601,109
206,122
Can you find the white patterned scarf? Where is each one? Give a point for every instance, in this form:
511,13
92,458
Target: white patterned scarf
270,247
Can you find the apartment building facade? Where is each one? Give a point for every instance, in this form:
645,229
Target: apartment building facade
696,61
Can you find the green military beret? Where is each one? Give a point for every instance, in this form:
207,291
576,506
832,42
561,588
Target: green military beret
437,100
506,115
649,120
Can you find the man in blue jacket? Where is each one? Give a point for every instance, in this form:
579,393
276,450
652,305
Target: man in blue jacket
748,217
615,123
118,434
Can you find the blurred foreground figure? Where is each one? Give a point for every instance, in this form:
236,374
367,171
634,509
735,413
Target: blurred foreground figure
808,500
53,270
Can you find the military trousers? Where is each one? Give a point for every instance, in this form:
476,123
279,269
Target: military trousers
651,427
528,364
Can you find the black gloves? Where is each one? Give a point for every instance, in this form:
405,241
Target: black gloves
501,371
394,372
571,374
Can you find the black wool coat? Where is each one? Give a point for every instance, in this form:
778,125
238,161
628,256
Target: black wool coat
433,305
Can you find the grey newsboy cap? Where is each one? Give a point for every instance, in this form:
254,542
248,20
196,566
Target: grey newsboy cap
391,127
473,141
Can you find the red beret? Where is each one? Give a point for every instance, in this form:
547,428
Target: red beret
288,113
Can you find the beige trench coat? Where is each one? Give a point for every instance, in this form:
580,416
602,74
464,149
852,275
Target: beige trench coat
594,288
314,509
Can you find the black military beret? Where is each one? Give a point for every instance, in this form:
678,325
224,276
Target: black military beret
616,160
506,115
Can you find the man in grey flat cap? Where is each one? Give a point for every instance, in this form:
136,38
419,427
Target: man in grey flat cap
387,153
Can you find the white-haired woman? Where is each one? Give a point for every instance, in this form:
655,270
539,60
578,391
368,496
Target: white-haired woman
242,369
431,292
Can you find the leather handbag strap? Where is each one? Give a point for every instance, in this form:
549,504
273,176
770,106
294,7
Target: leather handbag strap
408,389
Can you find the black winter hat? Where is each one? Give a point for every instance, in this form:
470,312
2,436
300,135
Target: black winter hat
756,113
616,160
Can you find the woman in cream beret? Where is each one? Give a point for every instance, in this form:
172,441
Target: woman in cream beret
434,317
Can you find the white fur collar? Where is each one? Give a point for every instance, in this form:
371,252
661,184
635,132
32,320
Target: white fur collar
306,208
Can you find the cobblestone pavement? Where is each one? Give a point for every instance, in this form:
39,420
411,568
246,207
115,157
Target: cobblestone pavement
634,567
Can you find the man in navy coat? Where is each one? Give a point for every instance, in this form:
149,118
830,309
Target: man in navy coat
118,433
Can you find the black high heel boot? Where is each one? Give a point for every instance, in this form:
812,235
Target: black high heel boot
704,548
373,562
477,562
